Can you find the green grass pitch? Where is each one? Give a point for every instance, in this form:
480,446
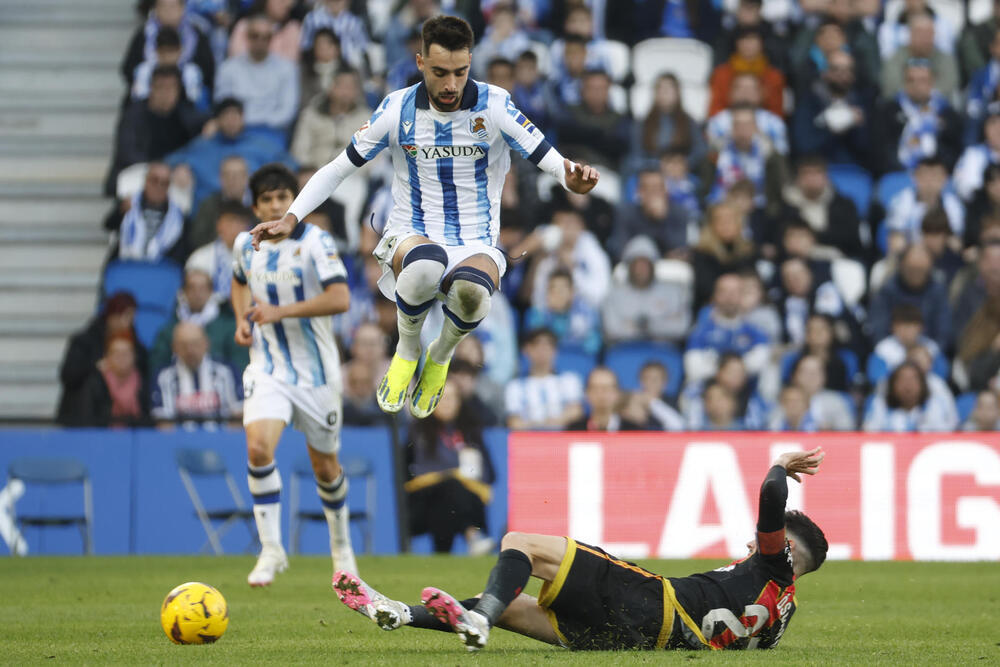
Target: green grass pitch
106,610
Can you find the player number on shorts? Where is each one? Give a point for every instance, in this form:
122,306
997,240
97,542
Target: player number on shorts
739,626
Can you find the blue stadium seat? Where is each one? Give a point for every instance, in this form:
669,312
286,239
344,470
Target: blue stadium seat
154,286
626,359
965,404
854,183
574,360
882,238
890,185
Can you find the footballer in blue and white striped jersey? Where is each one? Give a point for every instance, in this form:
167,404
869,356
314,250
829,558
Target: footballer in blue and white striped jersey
283,297
449,167
449,138
298,351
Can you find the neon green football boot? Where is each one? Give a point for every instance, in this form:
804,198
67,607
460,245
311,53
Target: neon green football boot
428,392
391,392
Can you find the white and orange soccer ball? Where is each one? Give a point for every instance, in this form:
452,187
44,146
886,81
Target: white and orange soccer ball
194,613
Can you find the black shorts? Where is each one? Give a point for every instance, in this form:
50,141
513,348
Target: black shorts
599,603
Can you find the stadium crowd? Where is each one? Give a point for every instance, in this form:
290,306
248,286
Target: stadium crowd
797,225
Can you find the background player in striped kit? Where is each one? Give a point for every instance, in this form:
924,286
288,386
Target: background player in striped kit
283,297
449,138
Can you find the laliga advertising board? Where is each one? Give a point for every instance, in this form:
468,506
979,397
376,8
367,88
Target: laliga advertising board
877,496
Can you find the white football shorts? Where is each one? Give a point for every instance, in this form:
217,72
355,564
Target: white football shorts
457,254
313,411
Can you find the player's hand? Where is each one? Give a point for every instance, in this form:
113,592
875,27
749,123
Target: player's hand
244,333
264,313
796,463
580,178
273,230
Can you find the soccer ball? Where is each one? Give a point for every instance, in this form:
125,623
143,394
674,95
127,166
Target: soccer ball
194,613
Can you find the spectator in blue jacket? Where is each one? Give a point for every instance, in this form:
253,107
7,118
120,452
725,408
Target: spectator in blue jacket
907,332
914,283
204,155
575,322
722,327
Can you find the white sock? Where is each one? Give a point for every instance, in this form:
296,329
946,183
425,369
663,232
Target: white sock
416,287
334,499
409,327
265,487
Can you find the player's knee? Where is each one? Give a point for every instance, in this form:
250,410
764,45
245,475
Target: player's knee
258,452
514,540
326,469
468,298
419,279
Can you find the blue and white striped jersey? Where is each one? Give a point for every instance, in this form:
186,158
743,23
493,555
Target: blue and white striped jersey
297,351
449,166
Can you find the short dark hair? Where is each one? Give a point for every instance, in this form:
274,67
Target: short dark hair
168,37
931,161
499,61
227,103
797,225
235,209
811,160
329,33
561,273
272,177
935,221
449,32
804,531
574,39
654,364
166,70
540,332
671,152
907,313
747,31
528,54
595,71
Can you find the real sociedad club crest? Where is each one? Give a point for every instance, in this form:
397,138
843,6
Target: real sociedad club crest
477,126
410,149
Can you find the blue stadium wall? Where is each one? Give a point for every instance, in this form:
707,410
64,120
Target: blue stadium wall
141,506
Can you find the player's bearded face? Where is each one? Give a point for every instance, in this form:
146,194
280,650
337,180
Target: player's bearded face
445,74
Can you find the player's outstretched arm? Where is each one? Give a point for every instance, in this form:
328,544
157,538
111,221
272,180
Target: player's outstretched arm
774,494
322,184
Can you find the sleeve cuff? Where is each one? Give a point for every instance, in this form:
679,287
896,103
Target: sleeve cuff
354,156
240,279
333,281
539,152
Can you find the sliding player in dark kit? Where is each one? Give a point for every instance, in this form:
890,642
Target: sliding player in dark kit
591,600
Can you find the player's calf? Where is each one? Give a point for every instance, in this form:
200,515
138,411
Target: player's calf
465,306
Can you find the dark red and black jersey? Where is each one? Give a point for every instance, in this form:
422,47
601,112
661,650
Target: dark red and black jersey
748,603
